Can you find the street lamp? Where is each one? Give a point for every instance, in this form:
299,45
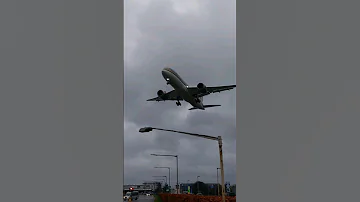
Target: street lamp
162,176
162,181
219,139
169,172
177,168
197,180
217,180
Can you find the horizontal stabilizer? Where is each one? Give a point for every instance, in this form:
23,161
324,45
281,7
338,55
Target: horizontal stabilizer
206,106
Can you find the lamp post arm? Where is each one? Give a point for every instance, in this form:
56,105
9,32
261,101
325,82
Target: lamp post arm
192,134
164,155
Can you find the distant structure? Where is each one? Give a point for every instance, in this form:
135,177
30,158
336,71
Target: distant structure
189,187
149,186
152,184
186,187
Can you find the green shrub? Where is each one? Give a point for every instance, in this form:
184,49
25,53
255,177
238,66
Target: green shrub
157,198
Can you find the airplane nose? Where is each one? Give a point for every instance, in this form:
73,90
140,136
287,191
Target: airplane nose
164,73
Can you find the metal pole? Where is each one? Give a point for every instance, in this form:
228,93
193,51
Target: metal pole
177,174
222,169
197,179
217,181
169,179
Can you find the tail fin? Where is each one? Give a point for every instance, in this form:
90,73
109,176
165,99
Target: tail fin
206,106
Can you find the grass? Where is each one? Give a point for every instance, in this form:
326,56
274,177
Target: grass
157,198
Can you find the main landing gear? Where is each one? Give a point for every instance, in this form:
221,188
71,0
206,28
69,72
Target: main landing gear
197,99
178,101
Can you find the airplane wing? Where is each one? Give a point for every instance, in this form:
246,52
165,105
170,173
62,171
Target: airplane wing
172,95
215,89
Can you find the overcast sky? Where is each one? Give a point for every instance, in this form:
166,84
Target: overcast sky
197,39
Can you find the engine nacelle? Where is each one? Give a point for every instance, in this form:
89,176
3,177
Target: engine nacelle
161,94
202,88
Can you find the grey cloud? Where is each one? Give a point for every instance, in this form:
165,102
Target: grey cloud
201,48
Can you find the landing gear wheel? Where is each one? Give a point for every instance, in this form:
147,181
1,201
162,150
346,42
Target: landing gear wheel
178,103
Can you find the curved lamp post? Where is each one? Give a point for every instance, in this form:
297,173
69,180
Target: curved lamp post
218,139
169,172
177,169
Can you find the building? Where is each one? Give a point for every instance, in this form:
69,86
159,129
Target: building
152,184
141,188
184,187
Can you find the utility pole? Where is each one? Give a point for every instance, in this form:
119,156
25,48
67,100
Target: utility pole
217,180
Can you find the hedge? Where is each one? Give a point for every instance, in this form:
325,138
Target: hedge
193,198
157,198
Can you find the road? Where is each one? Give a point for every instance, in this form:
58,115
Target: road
143,198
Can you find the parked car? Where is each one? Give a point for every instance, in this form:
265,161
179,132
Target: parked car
133,195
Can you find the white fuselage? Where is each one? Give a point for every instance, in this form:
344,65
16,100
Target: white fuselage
180,87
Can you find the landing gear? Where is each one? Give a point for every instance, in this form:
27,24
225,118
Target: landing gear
197,99
178,101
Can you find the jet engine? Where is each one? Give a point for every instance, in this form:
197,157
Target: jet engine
161,94
202,88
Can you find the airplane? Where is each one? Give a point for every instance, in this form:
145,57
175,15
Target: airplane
182,91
